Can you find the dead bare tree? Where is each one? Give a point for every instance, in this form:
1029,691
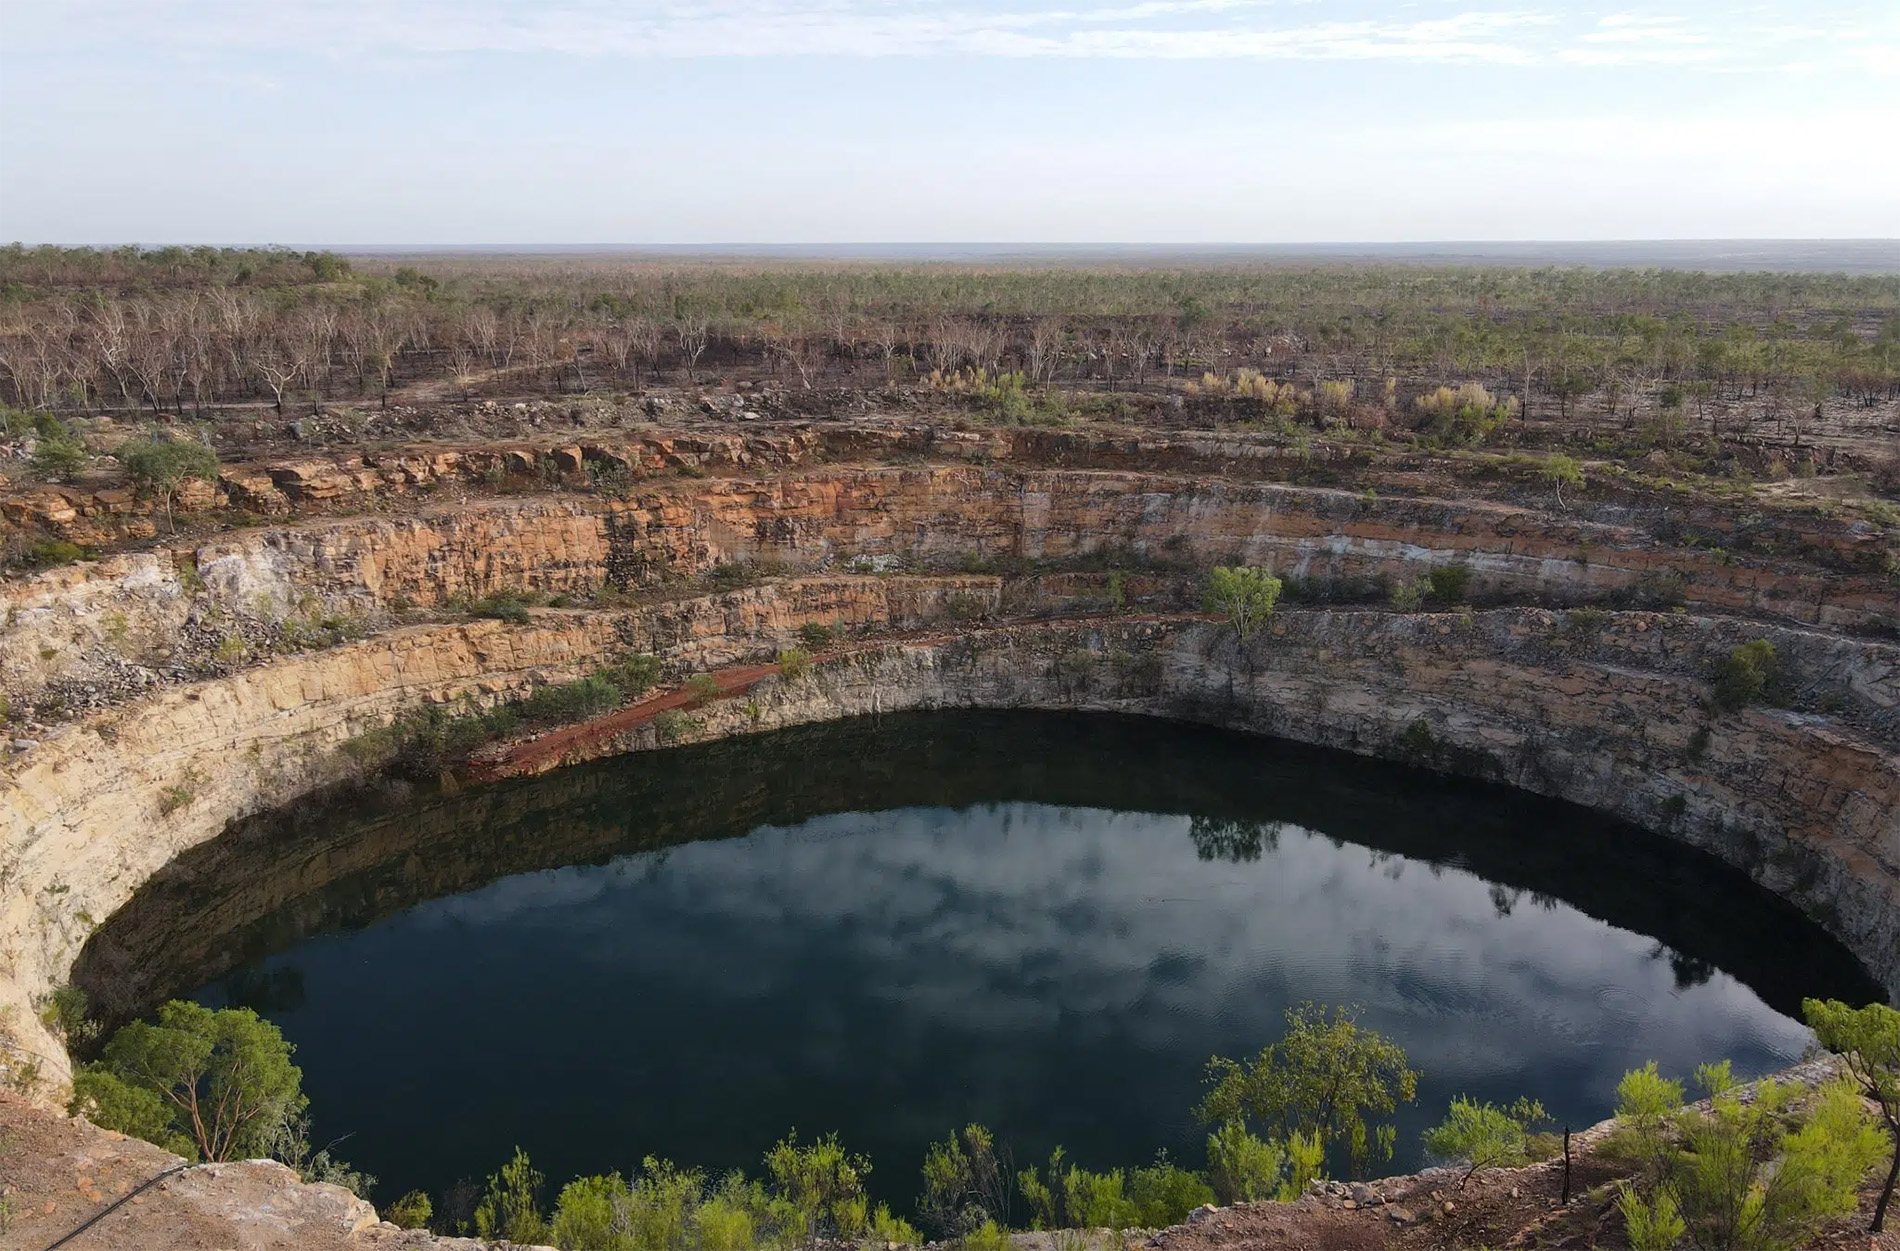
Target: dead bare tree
694,333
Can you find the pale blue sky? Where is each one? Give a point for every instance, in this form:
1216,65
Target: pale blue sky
640,121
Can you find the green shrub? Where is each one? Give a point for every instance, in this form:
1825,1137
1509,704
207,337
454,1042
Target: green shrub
1450,583
989,1236
816,636
1748,1173
159,467
412,1211
1468,415
1868,1039
965,1185
66,1013
1241,1167
50,552
633,676
794,662
673,724
586,1215
509,606
1483,1135
1654,1224
734,575
724,1223
570,701
887,1228
59,455
1746,675
1164,1193
703,687
823,1186
510,1207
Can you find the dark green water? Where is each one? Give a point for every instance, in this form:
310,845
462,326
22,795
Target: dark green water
891,927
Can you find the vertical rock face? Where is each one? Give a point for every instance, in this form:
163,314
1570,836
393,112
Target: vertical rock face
1609,716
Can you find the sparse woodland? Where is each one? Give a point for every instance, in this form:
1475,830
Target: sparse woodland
181,331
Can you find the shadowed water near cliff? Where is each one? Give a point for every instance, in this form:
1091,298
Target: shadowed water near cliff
890,927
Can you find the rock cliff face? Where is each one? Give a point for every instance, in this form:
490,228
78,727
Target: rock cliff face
116,622
1604,710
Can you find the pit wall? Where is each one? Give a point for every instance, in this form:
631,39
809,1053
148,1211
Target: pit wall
360,479
90,622
1607,714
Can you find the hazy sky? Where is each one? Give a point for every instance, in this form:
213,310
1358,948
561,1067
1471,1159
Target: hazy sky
645,121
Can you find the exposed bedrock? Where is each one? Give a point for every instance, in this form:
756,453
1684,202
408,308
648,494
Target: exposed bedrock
127,614
1606,710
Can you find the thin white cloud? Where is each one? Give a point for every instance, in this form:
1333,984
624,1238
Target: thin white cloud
1152,29
1777,34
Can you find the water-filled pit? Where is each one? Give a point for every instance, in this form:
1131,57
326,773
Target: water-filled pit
891,927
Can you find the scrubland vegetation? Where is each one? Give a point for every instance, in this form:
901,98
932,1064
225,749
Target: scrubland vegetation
1749,1169
1457,352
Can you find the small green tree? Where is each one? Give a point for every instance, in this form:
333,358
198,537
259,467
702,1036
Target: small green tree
511,1206
1562,471
1746,674
1245,596
59,455
1484,1135
223,1080
159,467
1868,1039
1324,1078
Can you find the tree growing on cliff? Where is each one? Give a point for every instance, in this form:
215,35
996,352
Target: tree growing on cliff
1562,471
1323,1079
216,1085
1746,674
159,467
1868,1039
1245,596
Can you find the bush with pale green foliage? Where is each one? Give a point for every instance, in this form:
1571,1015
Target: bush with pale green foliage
1469,414
1246,597
1071,1196
1484,1135
1762,1173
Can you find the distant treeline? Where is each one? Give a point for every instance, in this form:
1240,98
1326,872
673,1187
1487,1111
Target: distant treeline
180,329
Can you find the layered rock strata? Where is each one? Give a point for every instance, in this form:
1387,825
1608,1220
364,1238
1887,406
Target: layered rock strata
118,621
